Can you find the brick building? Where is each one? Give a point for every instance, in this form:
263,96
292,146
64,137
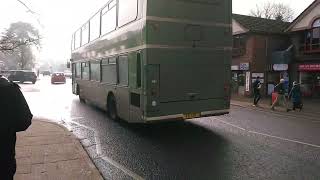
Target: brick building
305,38
257,42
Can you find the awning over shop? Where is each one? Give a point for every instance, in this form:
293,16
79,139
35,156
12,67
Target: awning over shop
309,67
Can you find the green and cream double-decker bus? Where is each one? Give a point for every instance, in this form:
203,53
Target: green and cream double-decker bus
151,60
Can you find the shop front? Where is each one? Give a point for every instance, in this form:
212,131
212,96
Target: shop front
309,78
239,84
279,71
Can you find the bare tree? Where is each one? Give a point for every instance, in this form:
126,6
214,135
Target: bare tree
277,11
18,42
31,11
8,43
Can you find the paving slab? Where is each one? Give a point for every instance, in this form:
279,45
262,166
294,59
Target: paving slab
49,151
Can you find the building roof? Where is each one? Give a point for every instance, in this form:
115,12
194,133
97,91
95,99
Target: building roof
261,25
303,14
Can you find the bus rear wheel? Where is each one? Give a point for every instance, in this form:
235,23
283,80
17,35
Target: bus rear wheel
82,100
112,108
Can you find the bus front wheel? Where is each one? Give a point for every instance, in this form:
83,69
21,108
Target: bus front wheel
112,108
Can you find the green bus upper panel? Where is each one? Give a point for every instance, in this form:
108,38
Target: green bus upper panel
182,23
186,23
218,11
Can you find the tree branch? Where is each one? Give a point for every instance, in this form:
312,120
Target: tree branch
29,9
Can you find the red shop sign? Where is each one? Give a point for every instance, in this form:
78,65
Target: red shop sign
309,67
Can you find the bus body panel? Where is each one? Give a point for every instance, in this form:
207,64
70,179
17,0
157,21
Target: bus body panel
193,53
184,52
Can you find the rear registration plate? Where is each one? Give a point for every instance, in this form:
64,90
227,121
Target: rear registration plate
191,115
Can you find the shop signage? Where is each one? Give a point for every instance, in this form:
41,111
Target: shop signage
235,68
247,81
280,67
309,67
244,66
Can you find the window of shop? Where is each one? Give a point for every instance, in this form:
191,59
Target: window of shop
310,84
312,38
239,45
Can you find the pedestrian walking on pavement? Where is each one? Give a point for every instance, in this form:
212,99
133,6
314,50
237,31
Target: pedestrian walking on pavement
256,91
295,96
281,98
15,116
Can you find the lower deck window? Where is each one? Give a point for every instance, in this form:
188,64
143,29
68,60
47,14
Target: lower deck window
85,71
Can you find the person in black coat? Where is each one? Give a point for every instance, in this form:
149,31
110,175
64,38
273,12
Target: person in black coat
15,116
295,96
256,91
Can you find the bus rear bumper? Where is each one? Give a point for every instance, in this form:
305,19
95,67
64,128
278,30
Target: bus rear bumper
182,116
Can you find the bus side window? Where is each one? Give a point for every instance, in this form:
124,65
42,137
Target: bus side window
139,70
77,70
109,71
123,74
95,71
85,71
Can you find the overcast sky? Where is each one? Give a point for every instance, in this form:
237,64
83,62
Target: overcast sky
59,18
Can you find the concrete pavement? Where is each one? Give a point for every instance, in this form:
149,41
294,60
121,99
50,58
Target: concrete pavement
49,151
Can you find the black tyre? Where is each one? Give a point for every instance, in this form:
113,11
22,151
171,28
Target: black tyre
112,108
80,97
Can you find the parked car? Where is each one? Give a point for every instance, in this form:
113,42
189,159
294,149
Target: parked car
58,77
46,73
23,76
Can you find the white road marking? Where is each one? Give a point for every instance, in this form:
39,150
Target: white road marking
285,139
128,172
268,135
238,127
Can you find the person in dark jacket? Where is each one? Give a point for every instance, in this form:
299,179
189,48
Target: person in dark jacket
15,116
256,91
295,96
281,98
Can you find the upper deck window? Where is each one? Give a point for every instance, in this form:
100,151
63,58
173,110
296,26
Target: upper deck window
85,34
77,39
108,19
72,42
95,27
128,11
112,4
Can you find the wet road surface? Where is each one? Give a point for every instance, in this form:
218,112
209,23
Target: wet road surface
246,144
